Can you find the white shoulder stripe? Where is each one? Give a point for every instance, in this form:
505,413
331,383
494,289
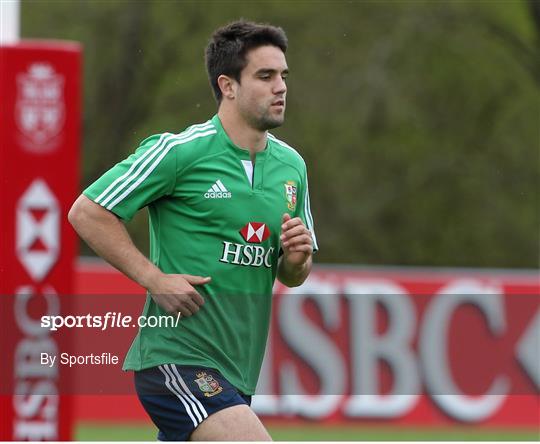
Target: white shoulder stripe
142,161
307,207
133,166
283,144
149,155
309,218
156,163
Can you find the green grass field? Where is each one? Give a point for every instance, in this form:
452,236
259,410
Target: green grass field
317,432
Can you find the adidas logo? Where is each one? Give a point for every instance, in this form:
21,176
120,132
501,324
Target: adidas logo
218,191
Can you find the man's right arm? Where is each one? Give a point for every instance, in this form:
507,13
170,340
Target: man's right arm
106,234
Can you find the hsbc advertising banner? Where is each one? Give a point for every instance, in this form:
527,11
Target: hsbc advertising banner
39,156
394,345
406,347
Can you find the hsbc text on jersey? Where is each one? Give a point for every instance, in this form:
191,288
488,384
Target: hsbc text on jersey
251,255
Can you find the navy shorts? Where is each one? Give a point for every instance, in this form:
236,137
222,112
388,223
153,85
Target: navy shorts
179,397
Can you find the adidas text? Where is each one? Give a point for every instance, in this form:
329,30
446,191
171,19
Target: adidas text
217,195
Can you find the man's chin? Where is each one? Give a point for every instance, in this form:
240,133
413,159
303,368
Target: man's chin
271,123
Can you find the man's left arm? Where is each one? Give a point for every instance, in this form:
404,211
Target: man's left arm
295,264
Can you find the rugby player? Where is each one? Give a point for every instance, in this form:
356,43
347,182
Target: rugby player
229,212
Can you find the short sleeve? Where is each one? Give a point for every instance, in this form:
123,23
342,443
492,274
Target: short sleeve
145,176
303,210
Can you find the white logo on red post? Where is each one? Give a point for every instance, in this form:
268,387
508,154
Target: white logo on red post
38,230
40,108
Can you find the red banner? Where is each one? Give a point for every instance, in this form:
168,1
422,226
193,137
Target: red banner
417,347
407,347
39,135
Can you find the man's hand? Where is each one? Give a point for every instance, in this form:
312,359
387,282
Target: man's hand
175,293
295,264
295,240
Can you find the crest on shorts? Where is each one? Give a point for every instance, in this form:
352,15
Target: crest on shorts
208,385
290,194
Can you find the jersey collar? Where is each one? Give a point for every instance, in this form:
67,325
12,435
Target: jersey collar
240,152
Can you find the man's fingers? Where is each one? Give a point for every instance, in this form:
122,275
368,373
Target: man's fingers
294,235
196,280
303,239
196,298
290,223
185,305
294,231
179,295
191,306
286,217
303,248
169,308
185,310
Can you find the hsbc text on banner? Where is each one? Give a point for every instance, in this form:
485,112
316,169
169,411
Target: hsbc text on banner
39,151
354,345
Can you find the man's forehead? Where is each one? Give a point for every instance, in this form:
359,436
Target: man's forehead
266,57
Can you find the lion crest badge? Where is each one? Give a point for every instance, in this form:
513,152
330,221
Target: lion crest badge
208,385
290,194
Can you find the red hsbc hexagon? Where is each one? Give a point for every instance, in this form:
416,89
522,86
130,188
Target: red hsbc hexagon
255,232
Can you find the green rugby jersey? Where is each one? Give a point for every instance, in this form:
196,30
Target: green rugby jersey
211,213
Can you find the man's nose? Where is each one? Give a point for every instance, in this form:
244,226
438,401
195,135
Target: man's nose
280,86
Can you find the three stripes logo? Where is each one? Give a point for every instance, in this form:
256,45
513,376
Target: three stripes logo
179,388
218,191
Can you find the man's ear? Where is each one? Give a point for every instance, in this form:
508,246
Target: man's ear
227,86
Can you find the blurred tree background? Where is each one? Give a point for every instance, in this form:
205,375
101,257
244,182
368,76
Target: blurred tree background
419,121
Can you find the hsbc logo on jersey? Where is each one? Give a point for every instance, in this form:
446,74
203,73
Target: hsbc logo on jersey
255,232
249,255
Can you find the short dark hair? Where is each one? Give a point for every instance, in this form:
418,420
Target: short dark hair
228,46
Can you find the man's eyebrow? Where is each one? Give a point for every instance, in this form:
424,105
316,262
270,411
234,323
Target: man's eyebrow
271,71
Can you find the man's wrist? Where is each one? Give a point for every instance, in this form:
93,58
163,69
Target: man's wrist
149,276
296,269
295,273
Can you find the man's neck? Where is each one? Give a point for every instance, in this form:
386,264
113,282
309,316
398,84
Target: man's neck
241,134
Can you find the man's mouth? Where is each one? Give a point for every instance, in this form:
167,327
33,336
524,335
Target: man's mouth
279,103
